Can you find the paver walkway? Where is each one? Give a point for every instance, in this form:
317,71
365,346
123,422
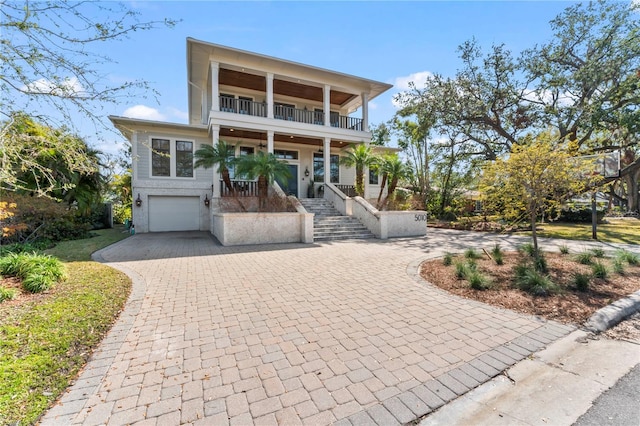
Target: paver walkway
340,332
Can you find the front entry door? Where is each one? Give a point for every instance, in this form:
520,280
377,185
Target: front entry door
290,187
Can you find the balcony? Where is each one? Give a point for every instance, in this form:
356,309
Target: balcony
288,113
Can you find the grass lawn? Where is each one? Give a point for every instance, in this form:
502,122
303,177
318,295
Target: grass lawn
625,231
46,338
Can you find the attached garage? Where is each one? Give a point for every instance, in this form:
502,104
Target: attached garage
174,213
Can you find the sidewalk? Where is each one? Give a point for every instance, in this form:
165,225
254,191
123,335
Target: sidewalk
553,387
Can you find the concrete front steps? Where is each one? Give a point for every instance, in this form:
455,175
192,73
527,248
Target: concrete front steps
329,224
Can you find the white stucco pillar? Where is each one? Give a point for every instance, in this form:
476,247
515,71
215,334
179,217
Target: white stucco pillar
365,112
326,106
215,86
205,107
270,141
215,136
269,95
326,150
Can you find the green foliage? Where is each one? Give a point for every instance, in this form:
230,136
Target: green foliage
627,256
584,258
579,214
581,282
618,266
498,257
496,250
36,246
447,259
527,249
472,253
220,155
7,294
267,168
532,281
598,252
600,270
564,249
478,281
38,272
462,270
359,156
393,170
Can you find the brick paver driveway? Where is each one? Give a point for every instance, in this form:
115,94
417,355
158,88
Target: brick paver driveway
316,334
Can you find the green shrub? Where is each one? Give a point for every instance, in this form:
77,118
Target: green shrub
447,259
564,249
627,256
581,282
540,263
498,258
496,250
618,266
598,252
38,272
532,281
579,214
600,270
527,249
462,270
7,294
34,246
584,258
471,253
478,281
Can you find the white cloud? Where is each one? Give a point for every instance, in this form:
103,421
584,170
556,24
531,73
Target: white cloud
182,115
66,87
418,78
373,105
144,112
546,96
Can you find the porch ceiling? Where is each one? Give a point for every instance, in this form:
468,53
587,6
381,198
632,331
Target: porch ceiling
229,135
245,80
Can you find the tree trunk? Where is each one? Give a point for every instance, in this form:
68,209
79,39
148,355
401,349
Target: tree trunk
392,187
263,191
227,180
359,181
633,186
382,185
534,236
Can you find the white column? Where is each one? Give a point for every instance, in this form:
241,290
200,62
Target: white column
326,96
365,112
270,141
205,107
326,150
134,156
215,135
270,96
215,86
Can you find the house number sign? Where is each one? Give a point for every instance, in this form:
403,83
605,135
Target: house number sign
421,217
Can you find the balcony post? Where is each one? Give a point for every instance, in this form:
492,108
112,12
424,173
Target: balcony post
215,86
269,95
326,150
270,141
326,106
365,112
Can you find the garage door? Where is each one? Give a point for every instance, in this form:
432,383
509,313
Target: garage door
174,214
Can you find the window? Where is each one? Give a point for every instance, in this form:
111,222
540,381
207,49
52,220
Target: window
160,157
373,177
318,167
246,150
285,155
171,158
184,159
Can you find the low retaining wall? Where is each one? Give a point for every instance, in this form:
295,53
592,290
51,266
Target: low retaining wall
390,224
233,229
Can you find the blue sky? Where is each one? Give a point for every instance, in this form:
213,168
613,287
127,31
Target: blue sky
393,42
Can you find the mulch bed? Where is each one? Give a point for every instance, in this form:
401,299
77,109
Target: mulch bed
568,306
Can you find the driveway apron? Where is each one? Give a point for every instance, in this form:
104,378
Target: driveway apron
343,333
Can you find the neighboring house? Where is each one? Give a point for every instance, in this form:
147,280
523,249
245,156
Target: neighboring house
302,114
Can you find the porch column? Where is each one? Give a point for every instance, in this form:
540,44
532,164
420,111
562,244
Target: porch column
215,135
326,107
270,96
365,112
215,87
326,150
270,141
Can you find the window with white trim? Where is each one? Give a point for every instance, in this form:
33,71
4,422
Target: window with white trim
318,167
171,158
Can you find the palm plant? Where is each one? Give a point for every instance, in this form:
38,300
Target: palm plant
396,171
383,166
221,155
266,168
360,156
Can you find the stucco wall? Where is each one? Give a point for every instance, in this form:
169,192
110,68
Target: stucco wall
233,229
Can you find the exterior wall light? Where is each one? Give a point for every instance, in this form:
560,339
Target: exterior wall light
206,200
306,171
138,201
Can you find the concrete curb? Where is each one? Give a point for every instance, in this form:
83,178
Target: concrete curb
607,317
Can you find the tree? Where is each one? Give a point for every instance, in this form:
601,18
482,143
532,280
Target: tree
380,134
266,168
50,55
221,155
50,162
360,156
536,178
413,138
396,170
